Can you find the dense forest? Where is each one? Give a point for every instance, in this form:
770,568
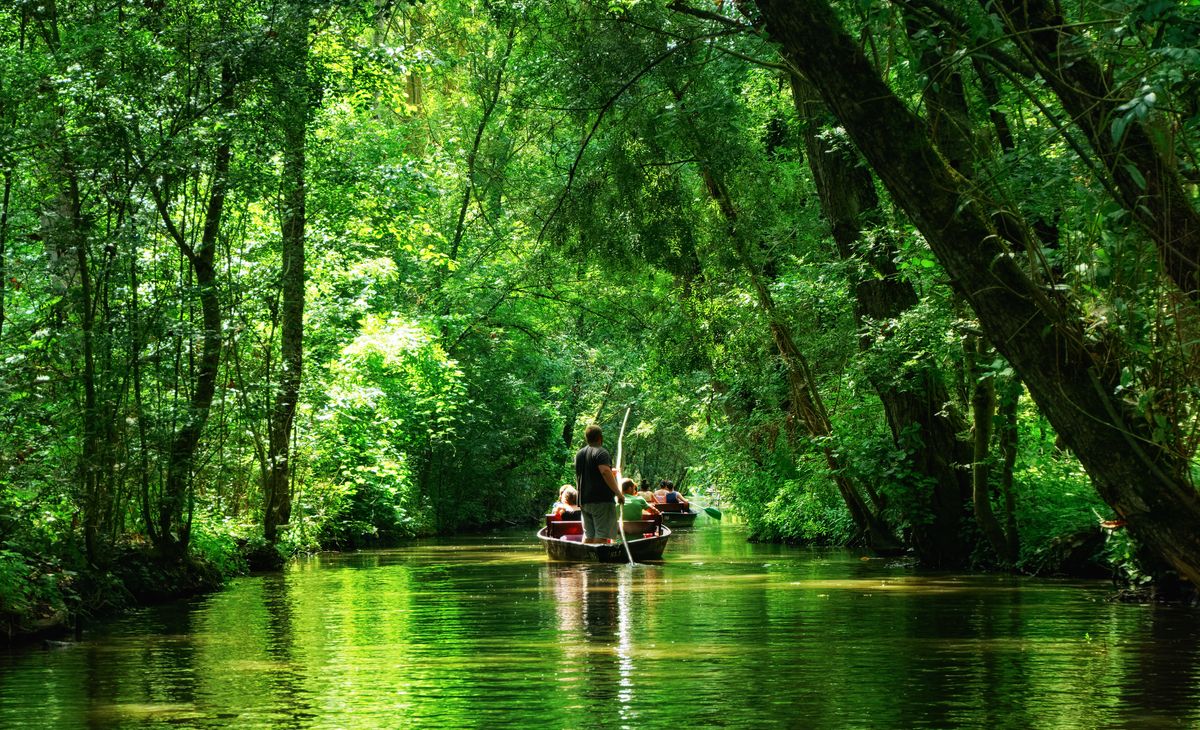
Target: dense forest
914,275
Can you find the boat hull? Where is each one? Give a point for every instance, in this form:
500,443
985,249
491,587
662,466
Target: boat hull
679,519
648,549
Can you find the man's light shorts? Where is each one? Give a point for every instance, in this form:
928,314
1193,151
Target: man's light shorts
600,520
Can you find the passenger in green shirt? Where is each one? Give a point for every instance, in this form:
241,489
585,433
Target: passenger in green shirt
632,509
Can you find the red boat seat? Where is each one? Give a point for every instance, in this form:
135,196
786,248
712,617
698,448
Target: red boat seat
560,528
569,529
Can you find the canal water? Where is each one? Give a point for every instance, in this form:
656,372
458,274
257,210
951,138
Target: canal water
483,632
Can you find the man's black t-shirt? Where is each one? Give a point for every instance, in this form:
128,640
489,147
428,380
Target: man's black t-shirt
588,480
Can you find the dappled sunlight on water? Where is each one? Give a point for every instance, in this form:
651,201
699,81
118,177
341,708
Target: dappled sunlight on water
484,631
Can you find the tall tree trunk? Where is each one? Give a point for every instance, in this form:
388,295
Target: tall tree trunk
917,405
1069,373
991,95
294,98
135,361
983,411
66,242
175,508
945,98
805,399
176,505
952,133
4,244
91,459
1010,394
575,394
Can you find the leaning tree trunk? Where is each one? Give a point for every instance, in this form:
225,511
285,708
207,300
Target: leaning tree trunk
806,400
1068,372
294,105
916,405
952,133
1148,185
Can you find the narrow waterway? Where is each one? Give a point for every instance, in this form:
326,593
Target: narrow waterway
482,632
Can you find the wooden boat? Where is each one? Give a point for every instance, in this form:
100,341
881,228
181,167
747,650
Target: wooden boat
564,542
676,515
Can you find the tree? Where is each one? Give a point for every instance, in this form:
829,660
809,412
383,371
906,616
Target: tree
916,402
293,92
1070,372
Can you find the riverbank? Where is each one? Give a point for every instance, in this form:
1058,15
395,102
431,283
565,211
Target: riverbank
43,598
48,596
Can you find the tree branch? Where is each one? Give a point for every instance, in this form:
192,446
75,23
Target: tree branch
682,7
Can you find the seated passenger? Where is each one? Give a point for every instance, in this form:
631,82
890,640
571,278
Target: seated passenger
646,493
670,495
664,488
635,508
567,506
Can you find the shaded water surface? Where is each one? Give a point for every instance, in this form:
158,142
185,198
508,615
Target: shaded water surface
483,632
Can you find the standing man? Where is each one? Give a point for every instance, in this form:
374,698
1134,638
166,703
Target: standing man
597,486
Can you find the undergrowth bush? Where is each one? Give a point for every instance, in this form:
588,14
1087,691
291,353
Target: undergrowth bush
215,541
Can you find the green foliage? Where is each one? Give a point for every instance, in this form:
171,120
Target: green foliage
33,589
512,232
1055,497
14,583
393,394
1122,553
782,495
807,511
874,458
215,541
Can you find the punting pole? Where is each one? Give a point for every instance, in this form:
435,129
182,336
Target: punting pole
620,508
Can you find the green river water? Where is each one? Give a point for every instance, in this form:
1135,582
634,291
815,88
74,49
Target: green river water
483,632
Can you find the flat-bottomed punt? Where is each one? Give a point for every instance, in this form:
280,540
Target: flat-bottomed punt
564,543
676,515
